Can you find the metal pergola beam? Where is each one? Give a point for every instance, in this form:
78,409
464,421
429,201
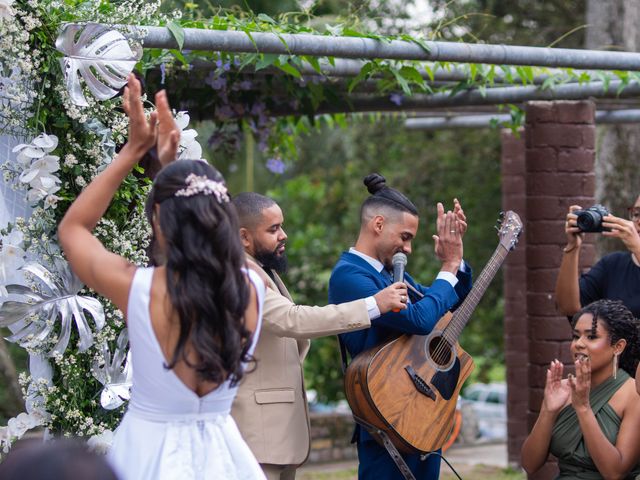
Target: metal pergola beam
485,121
367,48
346,68
491,96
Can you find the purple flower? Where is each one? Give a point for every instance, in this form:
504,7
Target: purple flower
163,72
257,108
224,112
396,98
275,165
246,85
218,83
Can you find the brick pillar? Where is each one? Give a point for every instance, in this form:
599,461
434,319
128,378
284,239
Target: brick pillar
559,158
516,341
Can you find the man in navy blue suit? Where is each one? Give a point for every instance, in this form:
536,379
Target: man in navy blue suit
388,224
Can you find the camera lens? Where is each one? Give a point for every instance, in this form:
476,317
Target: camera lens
588,221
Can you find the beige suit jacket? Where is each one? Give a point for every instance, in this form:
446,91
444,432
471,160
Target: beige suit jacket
271,406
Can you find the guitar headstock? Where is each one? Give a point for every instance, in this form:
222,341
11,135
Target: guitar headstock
509,228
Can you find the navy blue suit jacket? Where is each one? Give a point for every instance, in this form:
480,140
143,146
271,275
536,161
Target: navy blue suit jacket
353,278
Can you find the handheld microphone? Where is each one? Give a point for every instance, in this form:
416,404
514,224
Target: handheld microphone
399,261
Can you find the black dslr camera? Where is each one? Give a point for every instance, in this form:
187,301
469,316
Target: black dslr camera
590,219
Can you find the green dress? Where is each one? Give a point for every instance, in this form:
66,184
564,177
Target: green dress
567,443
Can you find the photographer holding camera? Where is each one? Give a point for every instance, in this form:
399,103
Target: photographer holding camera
615,276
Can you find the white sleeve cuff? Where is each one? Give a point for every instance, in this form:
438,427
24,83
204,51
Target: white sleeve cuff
449,277
463,266
372,308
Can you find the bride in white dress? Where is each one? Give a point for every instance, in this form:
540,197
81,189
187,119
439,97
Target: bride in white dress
193,319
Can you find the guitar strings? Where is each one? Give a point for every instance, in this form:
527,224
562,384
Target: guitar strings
444,349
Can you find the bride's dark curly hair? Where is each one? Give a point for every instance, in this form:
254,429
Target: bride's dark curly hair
203,258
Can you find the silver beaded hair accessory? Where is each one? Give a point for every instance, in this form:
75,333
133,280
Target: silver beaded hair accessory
197,185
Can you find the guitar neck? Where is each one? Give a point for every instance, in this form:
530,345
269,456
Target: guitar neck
462,315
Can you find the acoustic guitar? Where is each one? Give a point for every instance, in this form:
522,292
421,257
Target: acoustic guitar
408,387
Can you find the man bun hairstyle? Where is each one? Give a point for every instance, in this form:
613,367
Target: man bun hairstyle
385,197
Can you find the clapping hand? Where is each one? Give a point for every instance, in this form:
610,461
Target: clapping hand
556,390
448,241
168,131
142,131
462,219
581,384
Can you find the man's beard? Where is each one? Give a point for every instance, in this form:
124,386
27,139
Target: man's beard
272,260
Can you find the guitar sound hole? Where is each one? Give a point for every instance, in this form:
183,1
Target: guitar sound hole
440,351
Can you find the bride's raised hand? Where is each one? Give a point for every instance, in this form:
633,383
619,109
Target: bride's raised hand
556,390
168,131
142,130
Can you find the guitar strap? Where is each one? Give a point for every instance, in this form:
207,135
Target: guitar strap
382,436
376,433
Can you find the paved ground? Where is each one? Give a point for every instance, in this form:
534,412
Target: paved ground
462,458
494,454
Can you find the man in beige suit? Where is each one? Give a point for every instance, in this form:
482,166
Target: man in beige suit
271,407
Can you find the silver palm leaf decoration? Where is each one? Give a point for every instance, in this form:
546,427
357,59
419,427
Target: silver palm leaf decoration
114,372
101,56
31,314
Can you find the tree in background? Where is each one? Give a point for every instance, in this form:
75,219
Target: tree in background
613,25
517,22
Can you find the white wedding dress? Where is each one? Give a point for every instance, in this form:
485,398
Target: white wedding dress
168,431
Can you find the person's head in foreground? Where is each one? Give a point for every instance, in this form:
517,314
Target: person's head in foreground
54,460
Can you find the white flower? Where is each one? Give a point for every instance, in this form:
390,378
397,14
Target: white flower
70,160
12,257
19,425
51,201
189,148
38,148
5,9
42,186
41,167
101,443
38,167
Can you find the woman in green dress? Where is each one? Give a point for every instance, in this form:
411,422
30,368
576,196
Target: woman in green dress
590,421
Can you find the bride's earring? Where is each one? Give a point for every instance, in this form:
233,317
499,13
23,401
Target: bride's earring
615,365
